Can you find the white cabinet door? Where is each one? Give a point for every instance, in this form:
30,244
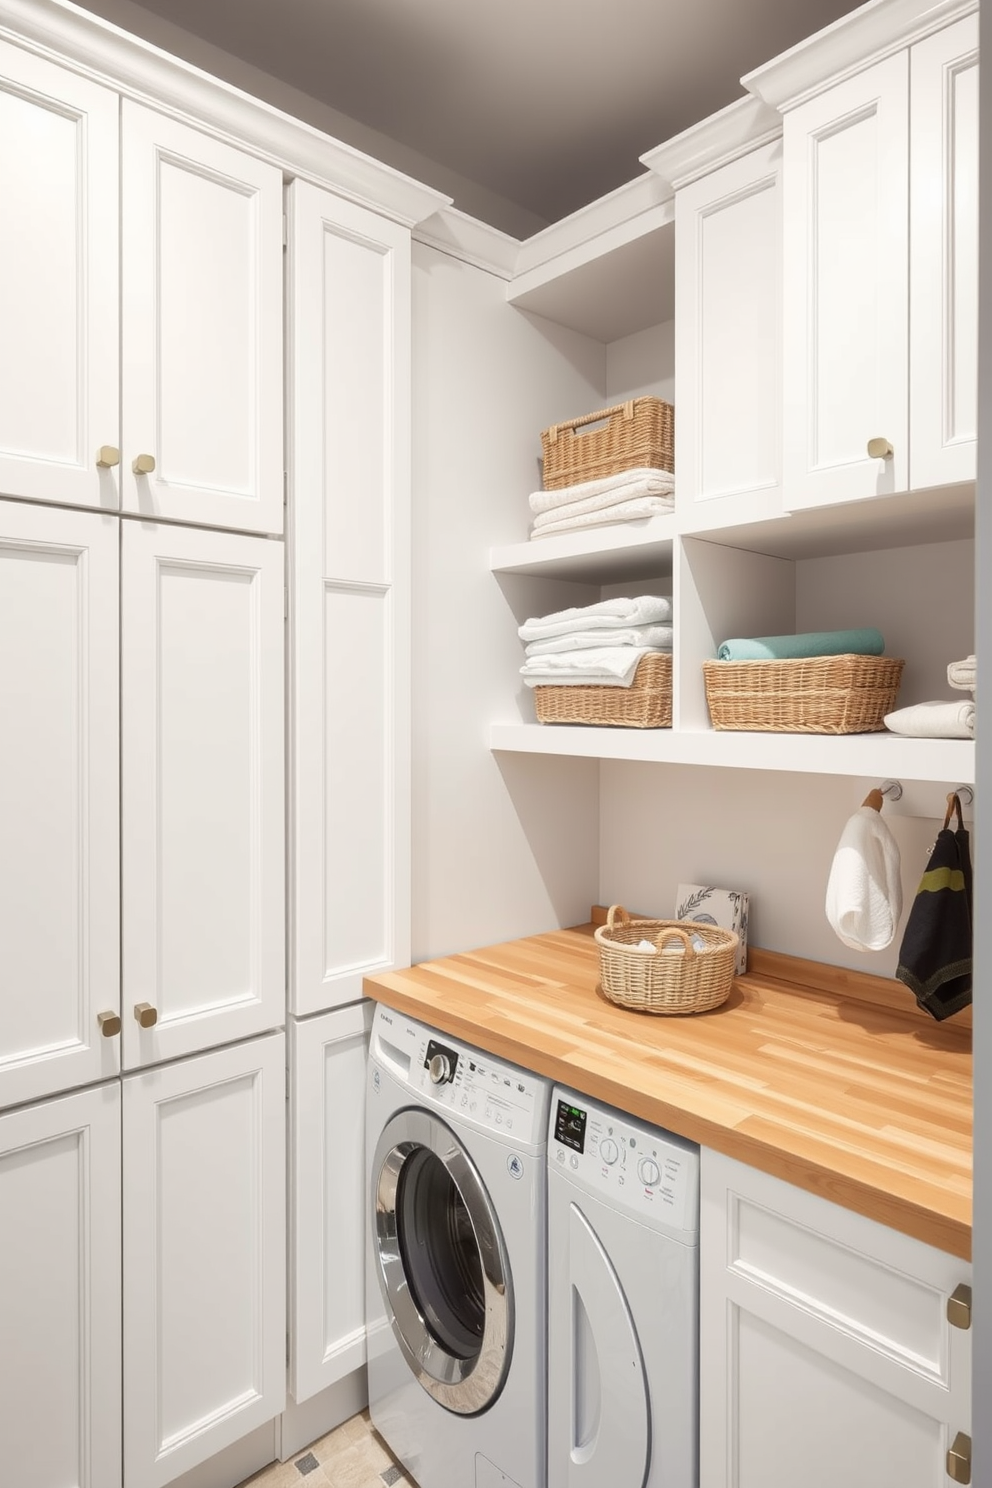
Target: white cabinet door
60,1292
826,1351
58,282
202,790
59,881
202,327
728,347
204,1256
846,290
328,1063
349,313
944,255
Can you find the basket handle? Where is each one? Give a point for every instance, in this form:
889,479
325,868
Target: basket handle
617,915
627,409
672,931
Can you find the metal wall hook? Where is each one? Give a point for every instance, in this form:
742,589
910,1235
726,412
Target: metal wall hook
891,790
965,794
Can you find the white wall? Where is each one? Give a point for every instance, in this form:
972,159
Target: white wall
503,846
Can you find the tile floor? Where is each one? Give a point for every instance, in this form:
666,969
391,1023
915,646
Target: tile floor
353,1456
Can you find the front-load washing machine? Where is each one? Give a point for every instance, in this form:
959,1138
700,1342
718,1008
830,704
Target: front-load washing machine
623,1232
456,1300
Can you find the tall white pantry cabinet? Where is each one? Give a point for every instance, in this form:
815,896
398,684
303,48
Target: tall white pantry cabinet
144,600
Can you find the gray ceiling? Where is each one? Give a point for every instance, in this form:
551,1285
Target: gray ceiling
546,103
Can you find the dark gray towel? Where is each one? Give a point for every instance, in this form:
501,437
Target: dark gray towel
935,958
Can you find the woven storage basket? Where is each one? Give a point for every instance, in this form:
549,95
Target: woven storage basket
646,703
660,981
638,432
813,695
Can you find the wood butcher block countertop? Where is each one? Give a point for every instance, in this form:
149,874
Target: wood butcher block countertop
830,1079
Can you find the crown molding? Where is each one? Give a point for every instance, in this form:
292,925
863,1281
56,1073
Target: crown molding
637,207
71,37
461,236
737,129
849,45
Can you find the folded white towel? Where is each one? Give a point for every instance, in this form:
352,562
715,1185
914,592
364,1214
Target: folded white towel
630,491
864,890
607,666
934,721
658,637
962,674
641,481
622,511
606,614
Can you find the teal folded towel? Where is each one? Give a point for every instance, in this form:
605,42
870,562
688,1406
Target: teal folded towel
866,642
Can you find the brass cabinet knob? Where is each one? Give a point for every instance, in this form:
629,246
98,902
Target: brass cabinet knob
959,1306
880,449
145,1014
958,1462
110,1024
143,465
107,456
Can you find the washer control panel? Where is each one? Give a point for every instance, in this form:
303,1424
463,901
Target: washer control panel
649,1173
447,1075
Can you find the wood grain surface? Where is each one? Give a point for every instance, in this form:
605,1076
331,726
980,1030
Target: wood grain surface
866,1104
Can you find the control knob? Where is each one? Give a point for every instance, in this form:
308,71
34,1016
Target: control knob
439,1069
609,1151
648,1171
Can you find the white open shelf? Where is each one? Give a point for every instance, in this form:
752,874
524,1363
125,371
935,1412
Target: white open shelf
629,550
881,755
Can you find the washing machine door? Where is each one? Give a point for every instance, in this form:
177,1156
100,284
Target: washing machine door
441,1262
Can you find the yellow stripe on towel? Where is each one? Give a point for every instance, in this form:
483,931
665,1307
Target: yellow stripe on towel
941,878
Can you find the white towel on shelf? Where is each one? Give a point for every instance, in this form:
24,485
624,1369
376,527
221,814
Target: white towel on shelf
622,511
864,889
631,491
658,637
934,720
641,481
606,614
962,674
606,666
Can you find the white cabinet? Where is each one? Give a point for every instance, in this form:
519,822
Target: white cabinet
204,1256
728,354
201,326
349,310
827,1354
60,1292
327,1063
59,282
59,877
202,789
881,276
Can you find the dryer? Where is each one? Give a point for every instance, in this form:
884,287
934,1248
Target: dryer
623,1333
456,1146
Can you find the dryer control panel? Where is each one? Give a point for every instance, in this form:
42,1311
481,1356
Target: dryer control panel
647,1172
447,1075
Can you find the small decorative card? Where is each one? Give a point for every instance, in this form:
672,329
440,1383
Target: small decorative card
724,907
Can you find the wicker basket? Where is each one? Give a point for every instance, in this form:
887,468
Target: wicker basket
646,703
639,432
813,695
660,981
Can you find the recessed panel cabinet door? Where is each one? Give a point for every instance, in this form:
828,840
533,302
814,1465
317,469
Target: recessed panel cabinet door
60,1292
350,356
202,813
59,811
204,1256
944,259
201,252
845,181
58,283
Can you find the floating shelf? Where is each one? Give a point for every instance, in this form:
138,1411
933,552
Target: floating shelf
600,555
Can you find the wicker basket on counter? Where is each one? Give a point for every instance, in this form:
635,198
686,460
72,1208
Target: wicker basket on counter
638,432
646,703
683,979
811,695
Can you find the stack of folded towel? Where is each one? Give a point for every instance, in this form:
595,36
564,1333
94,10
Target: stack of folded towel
963,674
933,721
595,645
627,497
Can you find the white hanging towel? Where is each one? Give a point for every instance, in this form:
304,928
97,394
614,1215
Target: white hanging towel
864,890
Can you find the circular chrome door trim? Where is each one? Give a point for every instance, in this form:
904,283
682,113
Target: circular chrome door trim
465,1386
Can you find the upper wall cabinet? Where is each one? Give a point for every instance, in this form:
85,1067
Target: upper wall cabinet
728,359
880,193
59,392
201,328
